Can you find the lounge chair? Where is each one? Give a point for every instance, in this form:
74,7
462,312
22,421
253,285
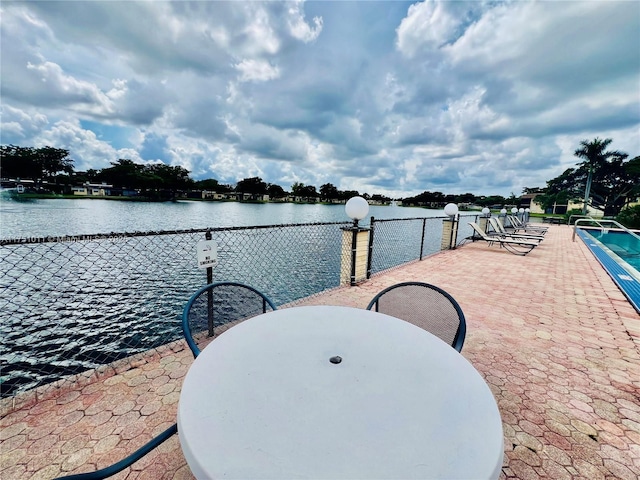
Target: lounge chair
498,229
517,224
517,247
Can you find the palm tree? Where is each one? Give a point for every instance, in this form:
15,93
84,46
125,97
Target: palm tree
595,157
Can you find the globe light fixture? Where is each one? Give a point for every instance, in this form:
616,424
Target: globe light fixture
451,209
486,212
503,211
527,210
356,209
514,210
521,210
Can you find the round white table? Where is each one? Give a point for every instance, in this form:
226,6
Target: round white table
268,399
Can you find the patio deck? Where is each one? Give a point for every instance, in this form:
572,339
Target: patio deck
557,342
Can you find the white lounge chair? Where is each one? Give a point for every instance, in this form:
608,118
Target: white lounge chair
517,224
517,247
498,229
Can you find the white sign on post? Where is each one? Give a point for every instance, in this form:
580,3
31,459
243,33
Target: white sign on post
207,253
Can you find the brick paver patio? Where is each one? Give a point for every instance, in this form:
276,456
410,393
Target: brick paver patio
554,338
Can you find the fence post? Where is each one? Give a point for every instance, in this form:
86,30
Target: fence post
449,233
207,236
424,228
355,258
371,228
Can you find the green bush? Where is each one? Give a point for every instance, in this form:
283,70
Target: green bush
574,211
630,217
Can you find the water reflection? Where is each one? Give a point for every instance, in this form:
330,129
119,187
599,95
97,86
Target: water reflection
74,305
36,218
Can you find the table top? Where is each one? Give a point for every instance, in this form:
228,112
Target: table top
264,400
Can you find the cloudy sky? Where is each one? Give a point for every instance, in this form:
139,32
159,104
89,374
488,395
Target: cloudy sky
392,97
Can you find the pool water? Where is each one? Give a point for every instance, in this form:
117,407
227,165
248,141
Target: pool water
626,246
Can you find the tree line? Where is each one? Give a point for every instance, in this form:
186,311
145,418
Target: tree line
439,199
603,178
53,165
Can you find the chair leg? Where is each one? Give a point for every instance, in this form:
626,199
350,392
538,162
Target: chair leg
126,462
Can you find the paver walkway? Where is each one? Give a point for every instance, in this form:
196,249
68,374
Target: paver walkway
552,335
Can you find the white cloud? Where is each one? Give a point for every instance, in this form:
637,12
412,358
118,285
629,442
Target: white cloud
554,51
19,124
262,37
427,26
78,93
85,147
383,97
256,71
299,28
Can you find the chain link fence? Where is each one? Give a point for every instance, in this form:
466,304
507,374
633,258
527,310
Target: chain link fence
75,303
398,241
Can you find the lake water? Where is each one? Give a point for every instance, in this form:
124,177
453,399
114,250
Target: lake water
68,305
38,218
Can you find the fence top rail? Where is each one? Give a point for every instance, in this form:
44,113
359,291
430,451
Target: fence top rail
121,235
378,220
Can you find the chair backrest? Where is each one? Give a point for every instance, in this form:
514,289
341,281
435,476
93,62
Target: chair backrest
519,224
479,231
217,307
426,306
515,221
497,226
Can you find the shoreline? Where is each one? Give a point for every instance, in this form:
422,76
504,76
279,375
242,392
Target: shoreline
53,196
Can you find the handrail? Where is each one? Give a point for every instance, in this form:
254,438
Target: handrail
600,222
579,216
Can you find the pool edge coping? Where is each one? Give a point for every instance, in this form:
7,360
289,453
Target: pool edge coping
613,265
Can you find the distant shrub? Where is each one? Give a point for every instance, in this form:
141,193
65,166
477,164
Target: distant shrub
573,211
630,217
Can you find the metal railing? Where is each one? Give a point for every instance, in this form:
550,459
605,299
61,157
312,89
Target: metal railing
72,304
599,222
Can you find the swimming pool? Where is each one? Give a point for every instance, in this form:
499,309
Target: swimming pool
619,254
626,246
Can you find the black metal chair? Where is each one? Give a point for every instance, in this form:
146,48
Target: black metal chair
217,307
426,306
126,462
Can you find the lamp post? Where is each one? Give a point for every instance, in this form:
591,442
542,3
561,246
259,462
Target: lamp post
451,209
503,217
514,212
483,221
521,214
356,209
527,211
450,234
